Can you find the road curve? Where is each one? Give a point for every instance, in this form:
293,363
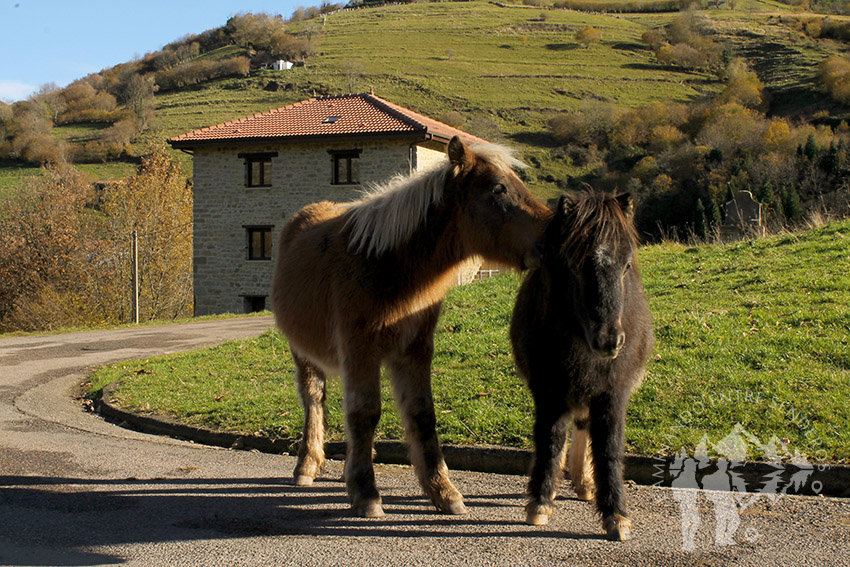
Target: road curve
77,490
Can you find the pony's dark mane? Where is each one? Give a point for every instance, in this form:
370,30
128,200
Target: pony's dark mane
592,220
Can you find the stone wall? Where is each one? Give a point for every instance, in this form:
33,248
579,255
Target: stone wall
301,174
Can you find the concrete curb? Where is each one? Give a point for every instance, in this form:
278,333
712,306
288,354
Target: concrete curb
826,480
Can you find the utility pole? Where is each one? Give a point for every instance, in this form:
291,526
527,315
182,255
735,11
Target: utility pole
134,251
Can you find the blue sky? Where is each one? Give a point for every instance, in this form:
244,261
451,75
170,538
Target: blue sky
58,41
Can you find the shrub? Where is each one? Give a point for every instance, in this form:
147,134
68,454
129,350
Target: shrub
588,35
833,75
196,72
682,55
569,127
742,85
653,38
453,118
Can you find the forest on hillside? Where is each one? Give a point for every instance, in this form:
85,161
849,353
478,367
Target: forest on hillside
121,100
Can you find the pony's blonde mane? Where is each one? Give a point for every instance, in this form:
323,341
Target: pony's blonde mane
389,213
499,156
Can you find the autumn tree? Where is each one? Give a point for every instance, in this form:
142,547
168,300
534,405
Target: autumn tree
742,85
588,35
156,202
834,78
48,253
29,139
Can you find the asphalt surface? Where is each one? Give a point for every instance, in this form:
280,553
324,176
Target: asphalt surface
78,490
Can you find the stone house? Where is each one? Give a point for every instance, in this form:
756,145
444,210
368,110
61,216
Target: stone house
252,174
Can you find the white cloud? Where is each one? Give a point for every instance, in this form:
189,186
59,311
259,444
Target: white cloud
15,90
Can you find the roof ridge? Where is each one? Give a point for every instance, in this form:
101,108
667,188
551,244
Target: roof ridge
395,111
427,119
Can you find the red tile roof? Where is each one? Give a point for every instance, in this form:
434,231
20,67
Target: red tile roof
361,116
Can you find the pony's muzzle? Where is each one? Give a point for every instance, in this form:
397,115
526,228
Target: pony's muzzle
609,344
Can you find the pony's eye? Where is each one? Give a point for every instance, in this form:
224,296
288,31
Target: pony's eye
628,267
499,189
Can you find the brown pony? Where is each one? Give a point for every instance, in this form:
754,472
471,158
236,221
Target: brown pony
360,285
581,333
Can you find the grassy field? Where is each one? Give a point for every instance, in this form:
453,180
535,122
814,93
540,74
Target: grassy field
515,66
755,333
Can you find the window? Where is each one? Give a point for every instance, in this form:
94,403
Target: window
254,303
258,169
259,242
346,167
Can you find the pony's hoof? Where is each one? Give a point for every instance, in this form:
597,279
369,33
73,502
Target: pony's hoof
303,480
585,494
370,510
537,519
618,528
456,508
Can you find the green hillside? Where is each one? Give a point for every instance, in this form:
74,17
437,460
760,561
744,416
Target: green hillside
505,68
753,332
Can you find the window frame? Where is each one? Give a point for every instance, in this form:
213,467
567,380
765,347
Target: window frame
264,159
337,156
266,242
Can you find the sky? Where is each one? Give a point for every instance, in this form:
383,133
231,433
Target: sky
59,41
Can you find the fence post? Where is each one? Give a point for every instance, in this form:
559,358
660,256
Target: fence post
134,250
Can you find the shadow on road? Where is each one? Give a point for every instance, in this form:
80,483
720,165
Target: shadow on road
55,521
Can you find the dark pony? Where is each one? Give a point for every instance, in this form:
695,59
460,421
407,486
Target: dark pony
359,286
581,334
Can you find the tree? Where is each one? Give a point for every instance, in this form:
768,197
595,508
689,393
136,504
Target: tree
712,214
810,150
700,221
588,35
48,253
792,204
653,38
354,71
834,78
742,85
138,97
156,202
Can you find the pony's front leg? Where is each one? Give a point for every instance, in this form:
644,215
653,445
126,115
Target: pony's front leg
311,453
412,384
550,436
607,424
362,400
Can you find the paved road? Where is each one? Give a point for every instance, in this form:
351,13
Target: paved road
76,490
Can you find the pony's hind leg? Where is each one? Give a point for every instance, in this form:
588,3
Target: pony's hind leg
362,400
311,453
412,384
547,470
580,462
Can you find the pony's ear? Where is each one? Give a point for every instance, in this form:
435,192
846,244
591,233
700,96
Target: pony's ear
458,152
565,203
562,205
627,203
